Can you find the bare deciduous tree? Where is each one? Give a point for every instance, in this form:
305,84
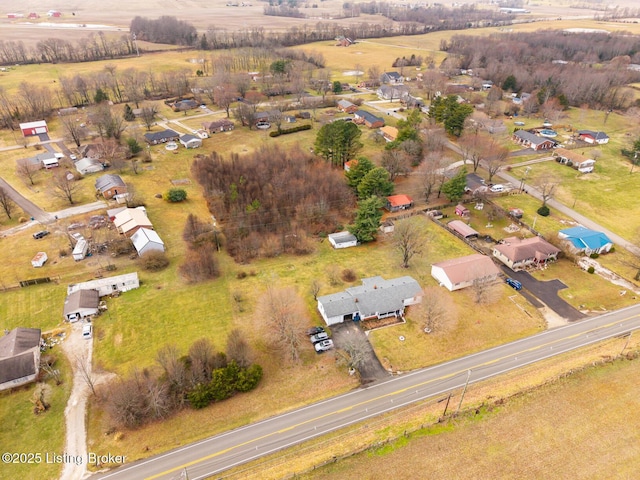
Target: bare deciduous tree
65,187
72,128
27,170
496,159
238,350
396,161
83,365
355,352
436,310
284,315
6,202
485,290
201,354
408,239
175,372
315,288
547,185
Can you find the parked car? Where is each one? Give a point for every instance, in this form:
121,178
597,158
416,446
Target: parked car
318,337
498,188
314,330
73,157
40,234
87,331
514,283
324,345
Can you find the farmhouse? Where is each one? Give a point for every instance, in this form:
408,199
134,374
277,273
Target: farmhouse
342,240
154,138
392,92
590,136
389,133
39,259
529,140
81,304
343,41
518,253
146,240
395,203
129,220
583,240
346,106
31,129
391,77
462,229
110,185
375,298
223,125
463,272
19,357
109,285
190,141
88,165
183,105
362,117
580,162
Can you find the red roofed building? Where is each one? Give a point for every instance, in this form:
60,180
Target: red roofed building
396,203
351,163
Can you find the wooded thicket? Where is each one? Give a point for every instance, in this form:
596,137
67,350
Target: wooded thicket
586,68
270,200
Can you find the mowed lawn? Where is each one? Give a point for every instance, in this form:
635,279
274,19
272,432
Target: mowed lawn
25,432
581,427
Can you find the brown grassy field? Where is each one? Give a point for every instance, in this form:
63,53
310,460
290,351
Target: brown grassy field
580,427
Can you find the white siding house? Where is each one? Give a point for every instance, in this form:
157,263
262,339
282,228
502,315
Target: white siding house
342,240
106,286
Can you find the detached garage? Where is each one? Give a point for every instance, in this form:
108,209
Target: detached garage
30,129
81,304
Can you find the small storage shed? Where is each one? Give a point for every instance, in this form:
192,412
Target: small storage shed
39,260
342,240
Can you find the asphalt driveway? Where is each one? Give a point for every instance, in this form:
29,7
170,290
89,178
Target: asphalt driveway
537,291
372,370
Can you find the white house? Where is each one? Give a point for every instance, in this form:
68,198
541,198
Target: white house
462,272
106,286
146,240
39,259
342,240
375,298
88,165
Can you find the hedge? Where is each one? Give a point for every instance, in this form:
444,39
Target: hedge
285,131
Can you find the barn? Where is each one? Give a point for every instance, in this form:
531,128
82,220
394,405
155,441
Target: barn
30,129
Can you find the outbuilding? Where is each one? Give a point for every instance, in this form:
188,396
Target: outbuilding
30,129
19,357
39,259
80,250
190,141
342,240
463,272
395,203
462,229
146,240
81,304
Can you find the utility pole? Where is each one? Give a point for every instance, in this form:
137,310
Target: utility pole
626,343
135,43
464,390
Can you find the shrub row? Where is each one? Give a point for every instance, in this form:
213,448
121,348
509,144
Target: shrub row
284,131
224,383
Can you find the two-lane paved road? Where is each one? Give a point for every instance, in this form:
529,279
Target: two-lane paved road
235,447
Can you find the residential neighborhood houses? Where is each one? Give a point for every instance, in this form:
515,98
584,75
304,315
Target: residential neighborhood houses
492,217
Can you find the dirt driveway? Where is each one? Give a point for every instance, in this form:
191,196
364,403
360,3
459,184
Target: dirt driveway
372,370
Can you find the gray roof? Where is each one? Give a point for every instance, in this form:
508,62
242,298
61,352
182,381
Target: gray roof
81,299
375,295
19,340
187,137
531,138
109,180
342,237
345,103
159,136
369,117
17,350
596,135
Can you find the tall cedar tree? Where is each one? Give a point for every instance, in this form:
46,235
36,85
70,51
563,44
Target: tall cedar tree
367,221
454,188
359,168
338,142
377,182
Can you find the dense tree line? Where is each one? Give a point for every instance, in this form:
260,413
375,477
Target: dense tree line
437,16
271,200
555,65
166,29
96,46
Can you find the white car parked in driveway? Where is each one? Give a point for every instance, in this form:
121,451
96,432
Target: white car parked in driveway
324,345
498,188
